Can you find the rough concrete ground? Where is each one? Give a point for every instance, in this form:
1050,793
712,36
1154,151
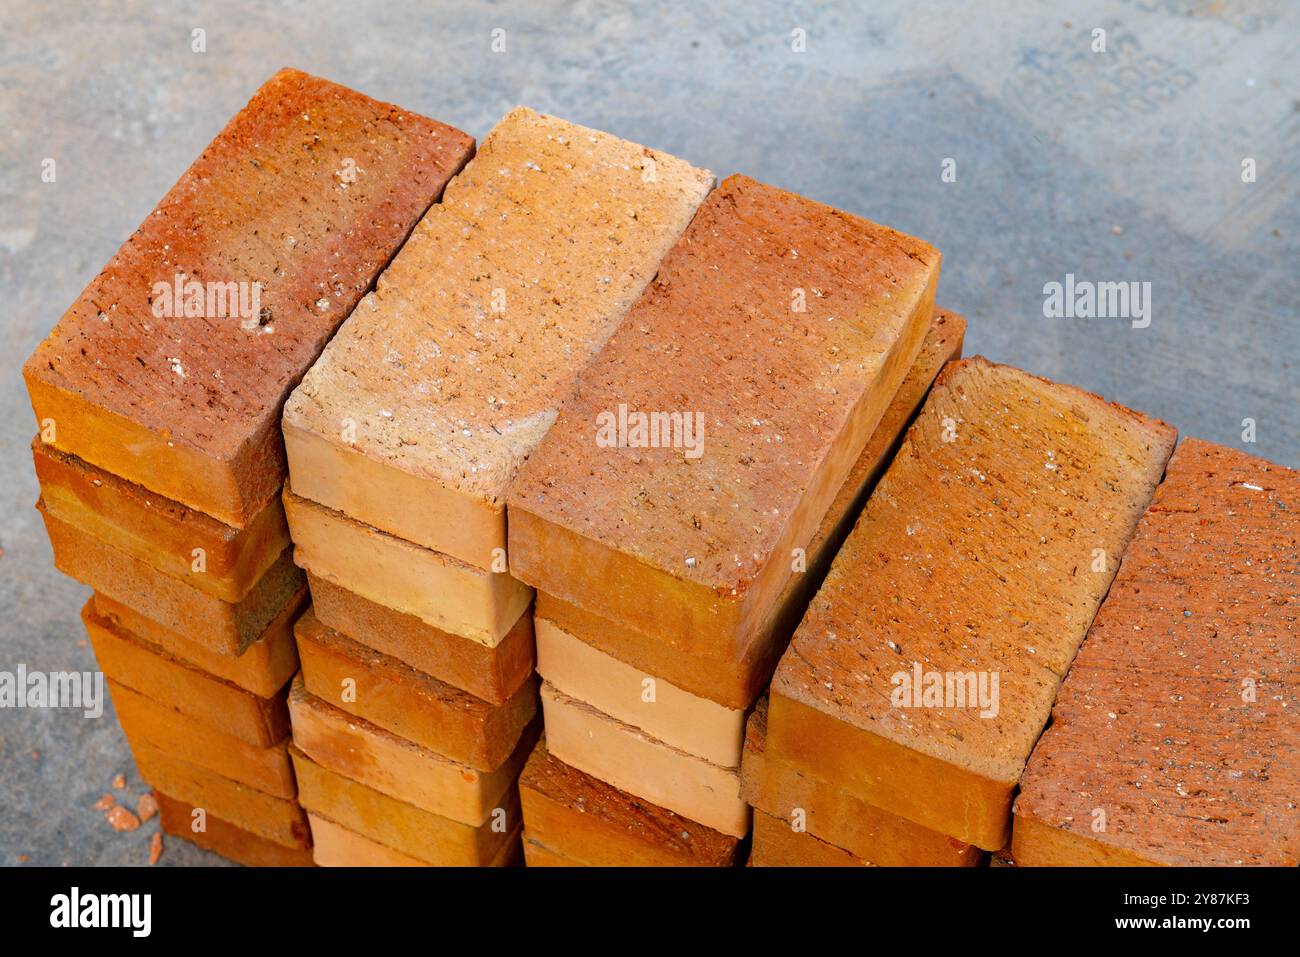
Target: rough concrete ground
1125,165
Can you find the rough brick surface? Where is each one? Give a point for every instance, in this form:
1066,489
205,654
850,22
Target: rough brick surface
737,683
415,706
777,844
147,669
227,627
683,720
366,753
189,407
151,723
592,823
277,819
642,765
452,370
428,837
338,846
264,667
1178,719
167,535
977,553
493,674
696,551
871,834
227,839
441,590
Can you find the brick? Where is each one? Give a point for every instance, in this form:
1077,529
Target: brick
366,753
676,717
148,670
218,625
697,551
158,531
644,766
430,838
574,819
736,684
777,844
276,819
337,846
557,226
440,590
148,722
868,833
415,706
1178,718
190,407
494,674
264,667
973,556
539,855
228,840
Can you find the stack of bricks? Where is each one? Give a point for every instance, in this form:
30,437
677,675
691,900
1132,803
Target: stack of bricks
697,480
1173,739
158,397
903,713
417,704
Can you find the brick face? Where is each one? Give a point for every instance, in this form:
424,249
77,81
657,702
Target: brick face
786,327
189,406
974,555
1154,726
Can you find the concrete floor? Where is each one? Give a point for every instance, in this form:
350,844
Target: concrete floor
1117,166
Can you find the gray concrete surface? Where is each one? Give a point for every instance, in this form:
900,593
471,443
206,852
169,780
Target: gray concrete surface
1117,166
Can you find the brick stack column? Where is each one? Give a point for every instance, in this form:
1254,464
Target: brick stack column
158,397
417,705
670,573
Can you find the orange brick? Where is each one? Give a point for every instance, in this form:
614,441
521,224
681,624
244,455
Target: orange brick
538,249
220,625
984,552
404,827
149,670
493,674
277,819
190,406
868,833
337,846
264,668
147,722
228,840
1174,738
413,705
777,844
786,327
586,822
366,753
164,534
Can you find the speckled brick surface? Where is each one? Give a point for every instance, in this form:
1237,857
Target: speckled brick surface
452,370
592,823
782,328
1177,728
309,191
976,554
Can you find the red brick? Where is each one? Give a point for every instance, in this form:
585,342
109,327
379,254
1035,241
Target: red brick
975,555
696,552
1157,752
190,407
